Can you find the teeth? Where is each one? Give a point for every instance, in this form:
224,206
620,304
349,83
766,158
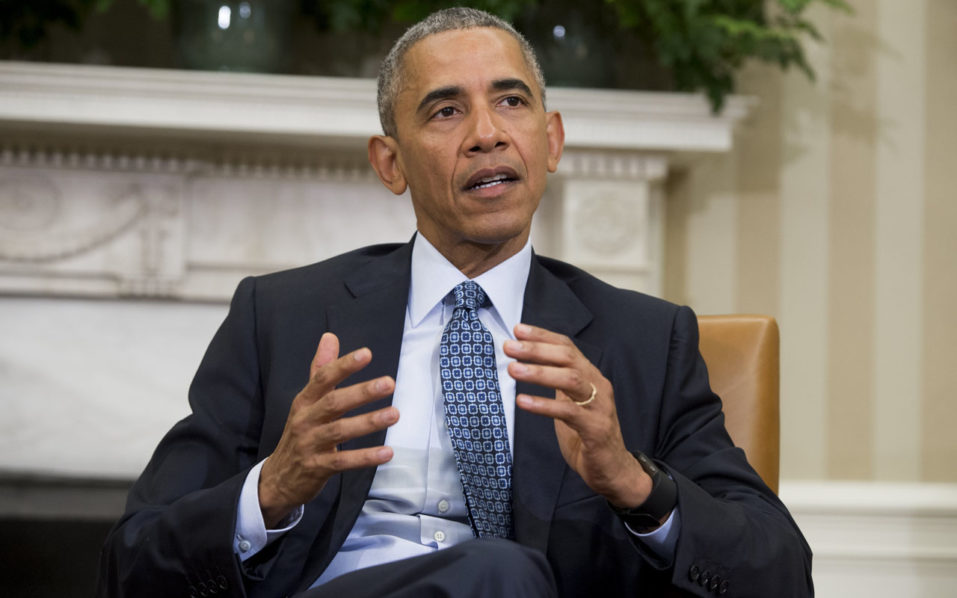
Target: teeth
489,181
491,184
498,177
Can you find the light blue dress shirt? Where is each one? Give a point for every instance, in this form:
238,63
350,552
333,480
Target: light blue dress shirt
416,504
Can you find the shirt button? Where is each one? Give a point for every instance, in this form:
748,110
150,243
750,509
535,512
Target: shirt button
244,546
439,536
443,506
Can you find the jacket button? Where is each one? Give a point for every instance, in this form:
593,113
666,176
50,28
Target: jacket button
714,583
723,588
694,573
705,578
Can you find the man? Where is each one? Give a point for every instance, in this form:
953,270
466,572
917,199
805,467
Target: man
347,468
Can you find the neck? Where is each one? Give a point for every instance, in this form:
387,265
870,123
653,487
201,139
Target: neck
473,258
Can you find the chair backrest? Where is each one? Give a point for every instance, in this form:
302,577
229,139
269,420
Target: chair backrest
742,355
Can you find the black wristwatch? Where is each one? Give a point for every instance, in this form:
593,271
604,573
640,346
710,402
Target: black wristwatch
663,498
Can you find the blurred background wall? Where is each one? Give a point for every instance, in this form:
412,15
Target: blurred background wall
837,212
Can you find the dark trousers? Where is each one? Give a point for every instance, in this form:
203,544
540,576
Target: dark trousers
486,568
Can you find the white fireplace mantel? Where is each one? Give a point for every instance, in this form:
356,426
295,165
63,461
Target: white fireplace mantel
155,183
316,109
132,201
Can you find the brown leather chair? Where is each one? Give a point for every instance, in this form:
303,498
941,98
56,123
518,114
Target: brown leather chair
742,355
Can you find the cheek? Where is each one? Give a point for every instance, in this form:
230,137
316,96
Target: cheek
427,174
534,148
436,167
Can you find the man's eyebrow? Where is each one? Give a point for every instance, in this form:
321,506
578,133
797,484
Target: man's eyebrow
452,91
441,93
509,84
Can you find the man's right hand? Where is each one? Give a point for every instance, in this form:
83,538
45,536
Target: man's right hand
307,454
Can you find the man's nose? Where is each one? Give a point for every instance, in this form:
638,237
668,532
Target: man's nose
486,132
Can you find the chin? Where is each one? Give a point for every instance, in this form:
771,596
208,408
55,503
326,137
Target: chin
499,227
498,235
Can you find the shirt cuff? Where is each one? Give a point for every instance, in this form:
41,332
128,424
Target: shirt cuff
251,534
662,540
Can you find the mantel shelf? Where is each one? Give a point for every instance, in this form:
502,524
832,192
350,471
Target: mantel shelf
322,110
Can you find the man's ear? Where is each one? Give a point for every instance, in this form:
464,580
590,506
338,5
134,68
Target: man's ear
555,131
383,155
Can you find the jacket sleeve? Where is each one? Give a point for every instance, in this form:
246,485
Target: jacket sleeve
175,537
736,537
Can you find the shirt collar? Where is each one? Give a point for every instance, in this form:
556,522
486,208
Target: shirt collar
433,277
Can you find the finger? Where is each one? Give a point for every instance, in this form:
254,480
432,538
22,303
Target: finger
564,355
355,459
568,380
329,375
341,430
327,351
565,411
342,400
535,333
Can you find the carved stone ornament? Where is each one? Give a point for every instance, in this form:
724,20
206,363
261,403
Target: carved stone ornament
27,204
33,223
607,225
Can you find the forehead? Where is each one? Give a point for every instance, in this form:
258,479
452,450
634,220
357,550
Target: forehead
466,58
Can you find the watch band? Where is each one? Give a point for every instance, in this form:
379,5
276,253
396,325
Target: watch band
660,502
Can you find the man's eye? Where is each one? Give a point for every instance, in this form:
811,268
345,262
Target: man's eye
514,101
446,112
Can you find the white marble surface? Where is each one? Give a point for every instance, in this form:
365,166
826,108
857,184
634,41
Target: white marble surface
317,109
88,387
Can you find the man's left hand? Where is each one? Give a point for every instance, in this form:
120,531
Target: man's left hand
589,435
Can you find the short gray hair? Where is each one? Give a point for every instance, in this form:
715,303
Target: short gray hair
449,19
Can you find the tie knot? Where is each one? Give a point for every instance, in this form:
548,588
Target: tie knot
470,295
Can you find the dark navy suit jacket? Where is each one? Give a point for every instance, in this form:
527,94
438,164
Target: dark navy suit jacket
176,535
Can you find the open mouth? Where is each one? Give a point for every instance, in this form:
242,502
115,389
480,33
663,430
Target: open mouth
488,179
492,181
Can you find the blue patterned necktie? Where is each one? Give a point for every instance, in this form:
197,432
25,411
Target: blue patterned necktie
474,415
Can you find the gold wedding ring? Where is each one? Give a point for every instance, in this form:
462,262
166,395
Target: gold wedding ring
594,392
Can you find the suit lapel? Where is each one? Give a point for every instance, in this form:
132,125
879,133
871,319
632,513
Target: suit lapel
538,465
374,318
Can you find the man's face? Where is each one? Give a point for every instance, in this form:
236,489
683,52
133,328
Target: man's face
473,141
